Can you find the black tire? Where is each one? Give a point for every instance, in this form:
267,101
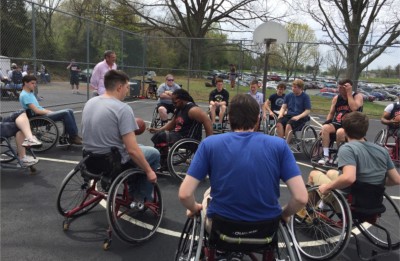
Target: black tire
7,152
316,152
75,196
180,156
191,241
46,131
308,137
132,219
322,234
155,120
286,250
390,221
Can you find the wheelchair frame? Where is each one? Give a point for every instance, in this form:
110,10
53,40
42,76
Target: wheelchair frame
133,221
9,155
156,121
194,244
225,121
317,153
391,143
322,233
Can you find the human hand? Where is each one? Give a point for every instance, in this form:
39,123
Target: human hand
295,118
349,88
190,213
324,189
152,130
151,176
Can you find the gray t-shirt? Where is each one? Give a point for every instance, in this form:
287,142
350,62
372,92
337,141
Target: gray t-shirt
372,161
164,87
104,122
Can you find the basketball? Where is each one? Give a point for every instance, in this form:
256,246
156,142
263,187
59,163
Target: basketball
142,126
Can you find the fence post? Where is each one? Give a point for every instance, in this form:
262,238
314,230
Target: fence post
34,45
87,59
189,62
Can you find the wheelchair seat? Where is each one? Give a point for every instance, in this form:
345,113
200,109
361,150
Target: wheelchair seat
230,235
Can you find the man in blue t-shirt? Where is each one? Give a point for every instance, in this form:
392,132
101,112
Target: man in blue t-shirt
245,168
294,111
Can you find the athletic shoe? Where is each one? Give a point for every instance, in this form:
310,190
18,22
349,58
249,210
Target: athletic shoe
219,126
323,161
236,256
73,91
27,161
77,92
76,140
32,142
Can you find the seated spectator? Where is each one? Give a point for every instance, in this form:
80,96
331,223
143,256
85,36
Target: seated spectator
258,96
186,114
17,124
274,103
29,101
164,92
218,99
389,117
294,112
17,78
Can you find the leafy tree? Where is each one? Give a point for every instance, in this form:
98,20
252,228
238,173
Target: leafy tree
355,24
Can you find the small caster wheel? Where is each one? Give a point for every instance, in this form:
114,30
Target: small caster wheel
65,225
106,244
32,170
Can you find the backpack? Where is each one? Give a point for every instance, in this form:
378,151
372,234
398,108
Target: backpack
17,77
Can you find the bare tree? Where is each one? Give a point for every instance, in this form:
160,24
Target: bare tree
354,24
194,19
316,61
335,63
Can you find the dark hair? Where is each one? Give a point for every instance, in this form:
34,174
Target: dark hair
244,112
114,77
281,84
344,81
183,95
355,124
108,53
28,78
219,80
254,82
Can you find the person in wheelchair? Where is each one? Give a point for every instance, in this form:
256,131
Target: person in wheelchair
389,116
218,99
30,103
107,122
274,103
294,112
17,124
164,92
358,160
244,186
346,101
186,114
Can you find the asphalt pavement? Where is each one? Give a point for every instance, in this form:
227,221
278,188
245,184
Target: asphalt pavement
31,227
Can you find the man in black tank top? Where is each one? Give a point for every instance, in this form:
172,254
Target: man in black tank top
186,114
391,117
346,101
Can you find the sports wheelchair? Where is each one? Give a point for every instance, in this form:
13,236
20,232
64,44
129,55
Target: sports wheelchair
323,228
317,153
98,177
267,124
156,121
267,241
176,157
388,139
9,155
302,139
225,121
47,131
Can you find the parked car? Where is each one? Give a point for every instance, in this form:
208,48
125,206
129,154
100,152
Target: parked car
329,95
85,75
367,96
388,96
378,96
326,89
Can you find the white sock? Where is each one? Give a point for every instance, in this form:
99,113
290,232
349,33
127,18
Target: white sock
326,152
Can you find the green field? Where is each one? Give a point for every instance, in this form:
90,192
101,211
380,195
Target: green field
320,105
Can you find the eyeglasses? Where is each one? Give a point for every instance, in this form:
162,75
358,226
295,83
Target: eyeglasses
170,80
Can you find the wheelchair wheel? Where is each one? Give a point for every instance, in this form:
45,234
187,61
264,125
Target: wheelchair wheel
316,151
155,120
46,131
286,250
75,197
390,220
8,153
273,132
381,137
191,240
133,219
322,232
180,156
308,137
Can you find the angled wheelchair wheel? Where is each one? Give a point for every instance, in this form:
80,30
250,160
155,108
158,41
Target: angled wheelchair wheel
380,137
133,218
273,132
180,156
390,220
308,137
190,245
8,152
155,120
321,231
77,195
316,151
46,131
286,249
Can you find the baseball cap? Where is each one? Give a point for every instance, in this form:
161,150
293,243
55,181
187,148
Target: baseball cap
13,65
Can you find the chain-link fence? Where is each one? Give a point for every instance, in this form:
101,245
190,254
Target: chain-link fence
42,41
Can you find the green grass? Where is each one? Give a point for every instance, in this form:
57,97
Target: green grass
320,105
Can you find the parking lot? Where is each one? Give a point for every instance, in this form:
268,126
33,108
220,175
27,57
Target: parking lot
31,228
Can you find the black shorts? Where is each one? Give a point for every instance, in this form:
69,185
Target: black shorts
296,125
336,125
166,137
8,126
74,80
170,107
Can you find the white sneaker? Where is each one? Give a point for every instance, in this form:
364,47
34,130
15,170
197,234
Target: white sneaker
77,92
28,161
73,91
323,161
33,142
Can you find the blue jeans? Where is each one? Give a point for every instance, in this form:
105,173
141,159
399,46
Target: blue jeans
141,187
67,116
